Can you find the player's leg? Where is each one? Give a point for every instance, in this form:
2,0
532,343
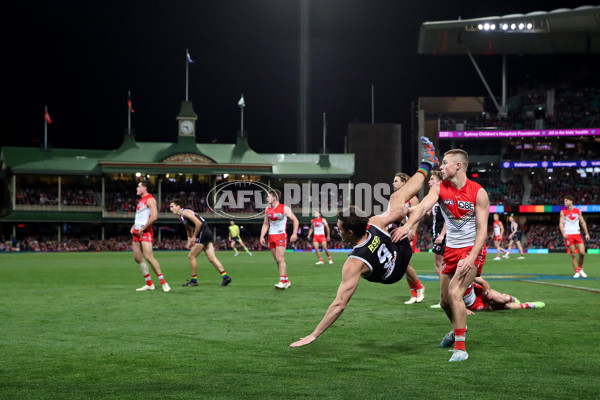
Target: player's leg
138,256
574,263
149,256
498,250
316,247
521,252
445,279
510,245
411,188
581,250
324,244
437,263
279,256
234,247
244,246
193,259
209,250
456,290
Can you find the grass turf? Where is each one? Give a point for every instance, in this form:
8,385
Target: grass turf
73,327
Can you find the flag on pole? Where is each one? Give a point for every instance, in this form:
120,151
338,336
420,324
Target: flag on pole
130,105
242,103
189,58
47,117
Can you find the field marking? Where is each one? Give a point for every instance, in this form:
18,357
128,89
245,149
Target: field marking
563,285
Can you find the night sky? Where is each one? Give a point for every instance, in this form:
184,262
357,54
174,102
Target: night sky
81,59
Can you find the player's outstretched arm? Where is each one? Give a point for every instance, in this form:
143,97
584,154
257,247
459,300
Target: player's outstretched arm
417,213
351,273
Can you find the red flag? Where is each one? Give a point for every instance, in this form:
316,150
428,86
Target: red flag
47,117
129,105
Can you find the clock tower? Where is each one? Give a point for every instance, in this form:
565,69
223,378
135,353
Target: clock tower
186,120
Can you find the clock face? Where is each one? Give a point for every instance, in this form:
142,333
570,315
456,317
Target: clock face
186,128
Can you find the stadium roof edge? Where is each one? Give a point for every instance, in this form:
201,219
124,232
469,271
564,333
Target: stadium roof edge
560,31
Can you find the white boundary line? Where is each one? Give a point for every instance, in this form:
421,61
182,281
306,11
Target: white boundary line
563,285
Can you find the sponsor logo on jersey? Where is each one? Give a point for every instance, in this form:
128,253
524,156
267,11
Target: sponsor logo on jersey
448,202
466,205
374,244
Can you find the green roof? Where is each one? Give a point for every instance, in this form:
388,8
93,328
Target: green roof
183,156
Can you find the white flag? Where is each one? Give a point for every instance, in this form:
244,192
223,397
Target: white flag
241,103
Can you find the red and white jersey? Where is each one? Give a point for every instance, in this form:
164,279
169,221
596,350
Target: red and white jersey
277,219
319,225
458,209
142,211
497,229
571,221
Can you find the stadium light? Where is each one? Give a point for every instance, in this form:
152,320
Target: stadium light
508,27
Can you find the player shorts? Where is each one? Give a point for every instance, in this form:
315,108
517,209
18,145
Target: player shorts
478,304
320,238
439,248
148,236
453,256
205,236
516,237
413,244
278,240
572,240
497,238
235,239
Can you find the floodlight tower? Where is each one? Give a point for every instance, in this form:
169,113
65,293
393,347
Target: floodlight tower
304,81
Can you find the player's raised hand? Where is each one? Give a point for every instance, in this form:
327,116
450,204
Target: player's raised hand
399,233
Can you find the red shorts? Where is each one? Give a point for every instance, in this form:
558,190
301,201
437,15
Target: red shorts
453,256
478,304
413,244
320,238
148,236
279,240
573,240
497,238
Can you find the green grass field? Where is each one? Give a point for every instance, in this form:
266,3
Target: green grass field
73,327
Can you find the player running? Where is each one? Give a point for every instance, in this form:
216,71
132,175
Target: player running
321,236
235,239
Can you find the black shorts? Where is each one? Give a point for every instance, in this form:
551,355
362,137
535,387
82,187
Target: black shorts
516,237
205,236
439,248
236,239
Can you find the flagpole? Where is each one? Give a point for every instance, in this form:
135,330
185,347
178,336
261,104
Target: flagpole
242,119
129,112
45,128
324,132
372,104
187,66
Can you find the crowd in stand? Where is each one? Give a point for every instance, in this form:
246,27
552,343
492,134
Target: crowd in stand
573,108
39,194
585,190
507,193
